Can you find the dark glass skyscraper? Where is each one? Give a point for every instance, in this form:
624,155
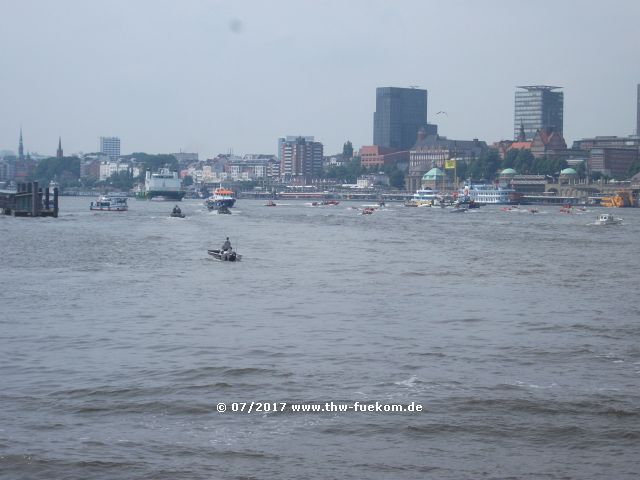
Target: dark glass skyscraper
638,113
538,107
400,112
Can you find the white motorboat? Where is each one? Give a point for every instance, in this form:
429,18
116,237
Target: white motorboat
608,219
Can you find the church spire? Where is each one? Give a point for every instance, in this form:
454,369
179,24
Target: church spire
59,152
522,137
20,147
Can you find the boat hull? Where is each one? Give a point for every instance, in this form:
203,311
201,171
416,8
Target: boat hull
108,209
221,202
217,254
165,195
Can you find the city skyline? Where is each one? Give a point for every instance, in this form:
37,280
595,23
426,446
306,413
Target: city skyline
217,80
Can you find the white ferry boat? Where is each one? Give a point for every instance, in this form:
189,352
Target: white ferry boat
110,203
489,194
164,185
423,198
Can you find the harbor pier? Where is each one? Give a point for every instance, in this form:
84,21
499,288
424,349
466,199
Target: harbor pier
28,200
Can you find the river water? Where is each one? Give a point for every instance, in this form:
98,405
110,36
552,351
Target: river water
518,334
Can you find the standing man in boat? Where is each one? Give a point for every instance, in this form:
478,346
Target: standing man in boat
226,249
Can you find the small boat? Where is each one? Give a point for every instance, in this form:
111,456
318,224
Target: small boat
177,212
220,255
270,203
608,219
368,211
110,203
330,202
224,210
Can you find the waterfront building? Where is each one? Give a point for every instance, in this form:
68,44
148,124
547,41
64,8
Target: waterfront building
110,146
301,160
537,107
377,156
291,138
609,155
400,112
432,151
108,168
612,162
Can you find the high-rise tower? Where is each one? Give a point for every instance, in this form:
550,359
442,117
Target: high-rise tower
400,112
638,113
110,146
537,107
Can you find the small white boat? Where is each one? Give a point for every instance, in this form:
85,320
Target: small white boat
608,219
220,255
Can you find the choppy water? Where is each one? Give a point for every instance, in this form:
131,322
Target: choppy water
518,333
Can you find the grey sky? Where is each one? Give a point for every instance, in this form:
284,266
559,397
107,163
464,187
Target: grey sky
209,76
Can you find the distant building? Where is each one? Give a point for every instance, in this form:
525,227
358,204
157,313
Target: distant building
612,162
638,113
110,146
301,160
610,155
537,107
432,151
400,112
291,138
375,156
548,143
59,152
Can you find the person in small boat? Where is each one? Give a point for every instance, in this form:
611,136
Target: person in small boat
226,245
177,210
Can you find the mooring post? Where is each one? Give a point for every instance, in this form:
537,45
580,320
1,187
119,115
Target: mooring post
34,199
46,198
55,202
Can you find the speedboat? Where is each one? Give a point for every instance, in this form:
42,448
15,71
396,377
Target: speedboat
368,211
270,203
110,203
178,215
224,210
608,219
219,255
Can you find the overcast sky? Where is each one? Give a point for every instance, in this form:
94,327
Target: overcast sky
208,76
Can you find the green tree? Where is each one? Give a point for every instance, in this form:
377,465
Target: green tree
154,162
65,170
347,150
121,180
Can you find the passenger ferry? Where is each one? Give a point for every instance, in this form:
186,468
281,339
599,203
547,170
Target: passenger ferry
222,197
489,194
163,185
423,198
110,203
